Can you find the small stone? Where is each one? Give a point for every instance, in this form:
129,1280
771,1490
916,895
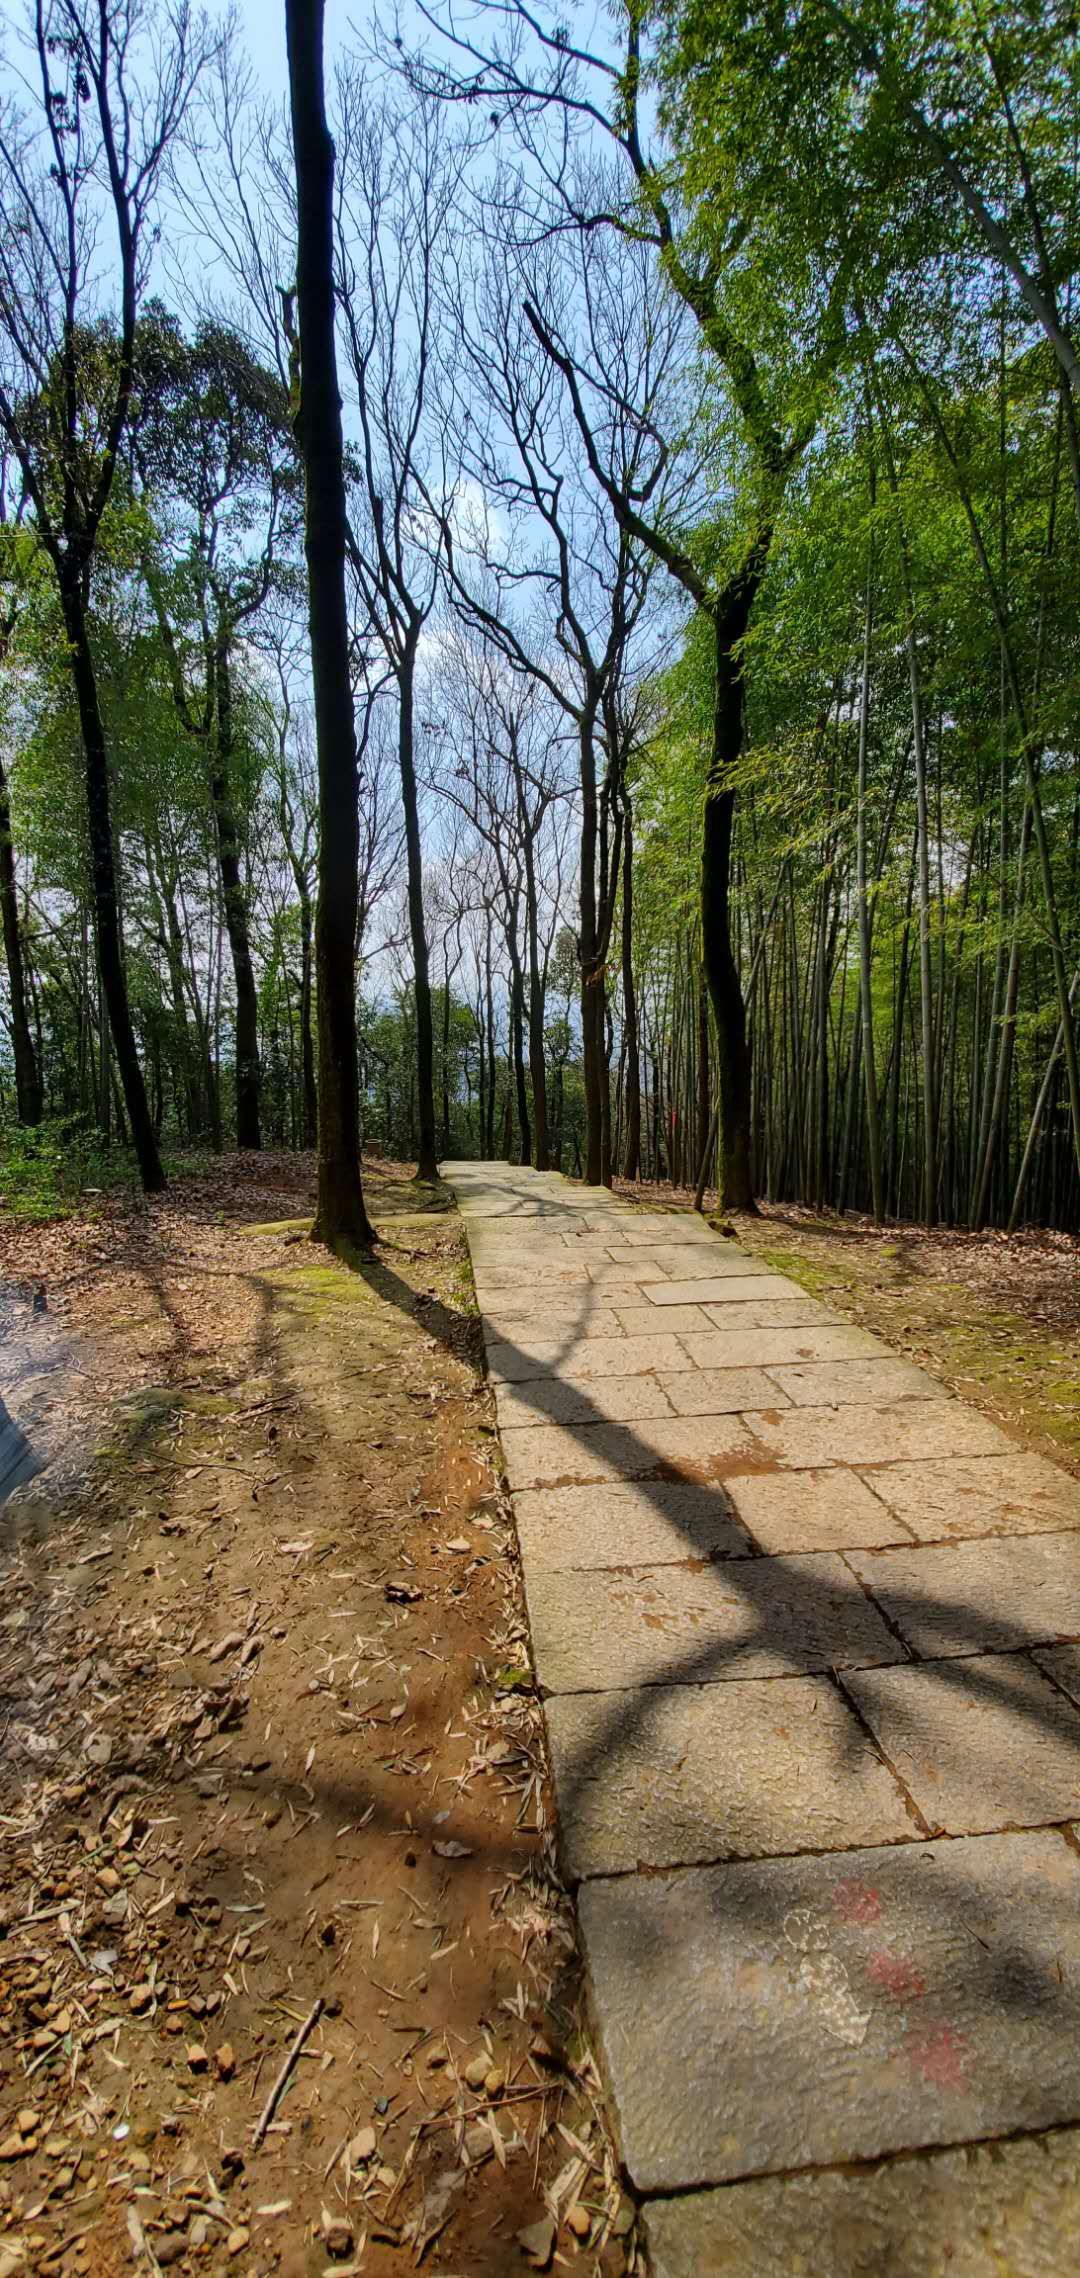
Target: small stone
12,2147
494,2081
578,2220
476,2071
625,2219
170,2248
197,2057
140,1998
27,2120
237,2239
225,2060
386,2176
362,2147
537,2241
337,2239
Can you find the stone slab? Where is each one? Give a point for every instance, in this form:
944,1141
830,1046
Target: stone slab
597,1356
682,1775
719,1391
704,1261
805,1437
529,1296
676,1230
787,1312
668,1625
1000,2210
1004,1593
1062,1664
802,2011
814,1510
549,1323
659,1523
854,1383
987,1494
642,1320
528,1274
681,1447
563,1400
761,1347
738,1288
638,1266
980,1743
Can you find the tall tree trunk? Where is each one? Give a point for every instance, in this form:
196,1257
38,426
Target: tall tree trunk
28,1092
234,901
427,1168
703,1113
632,1144
307,1042
591,1025
537,1070
341,1218
103,869
866,994
721,969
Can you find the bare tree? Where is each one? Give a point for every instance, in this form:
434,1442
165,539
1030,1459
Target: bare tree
397,183
590,584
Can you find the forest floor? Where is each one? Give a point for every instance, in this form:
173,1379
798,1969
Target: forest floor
274,1811
996,1317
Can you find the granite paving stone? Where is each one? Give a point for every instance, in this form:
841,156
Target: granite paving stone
763,1347
806,1437
637,1267
654,1625
856,1383
813,1510
642,1319
687,1447
660,1522
563,1400
795,2012
966,1597
785,1312
997,2210
980,1743
719,1391
1061,1663
550,1325
986,1494
716,1289
703,1262
694,1773
597,1356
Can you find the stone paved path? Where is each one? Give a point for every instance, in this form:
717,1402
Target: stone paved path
807,1634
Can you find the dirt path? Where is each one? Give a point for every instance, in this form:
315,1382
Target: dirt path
271,1767
808,1631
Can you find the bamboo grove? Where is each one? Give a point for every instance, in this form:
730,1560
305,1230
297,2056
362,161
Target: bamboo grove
709,527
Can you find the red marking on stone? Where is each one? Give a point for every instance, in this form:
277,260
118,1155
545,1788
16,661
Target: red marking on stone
939,2057
896,1975
857,1902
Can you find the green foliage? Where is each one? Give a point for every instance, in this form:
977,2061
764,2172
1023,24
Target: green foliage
46,1173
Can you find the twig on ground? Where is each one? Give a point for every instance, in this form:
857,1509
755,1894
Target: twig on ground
284,2076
